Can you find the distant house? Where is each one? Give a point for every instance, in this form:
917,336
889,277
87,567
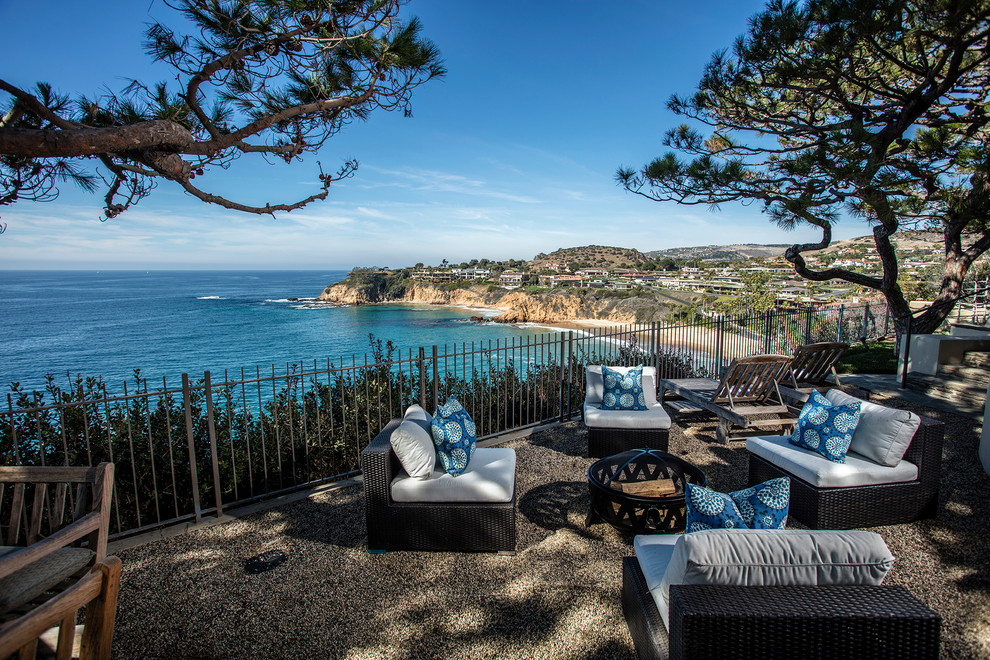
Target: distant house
593,272
510,279
432,275
560,280
472,273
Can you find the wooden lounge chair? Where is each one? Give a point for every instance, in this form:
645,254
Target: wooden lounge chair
55,561
812,364
747,392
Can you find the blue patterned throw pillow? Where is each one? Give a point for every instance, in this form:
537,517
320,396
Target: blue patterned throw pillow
709,509
454,436
623,391
826,428
763,506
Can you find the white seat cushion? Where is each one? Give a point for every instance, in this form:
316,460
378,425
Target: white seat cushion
596,384
820,472
765,557
654,417
490,477
653,552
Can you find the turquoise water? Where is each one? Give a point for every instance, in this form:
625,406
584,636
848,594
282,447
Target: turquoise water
169,322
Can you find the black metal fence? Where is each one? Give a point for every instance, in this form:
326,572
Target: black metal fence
190,450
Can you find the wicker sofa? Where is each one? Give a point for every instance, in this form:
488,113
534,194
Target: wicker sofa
709,616
889,500
614,431
475,526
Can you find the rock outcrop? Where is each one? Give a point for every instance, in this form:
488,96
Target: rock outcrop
518,306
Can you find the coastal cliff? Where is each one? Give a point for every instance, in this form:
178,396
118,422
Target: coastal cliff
551,306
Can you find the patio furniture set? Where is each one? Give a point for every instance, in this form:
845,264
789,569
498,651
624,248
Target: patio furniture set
735,592
743,592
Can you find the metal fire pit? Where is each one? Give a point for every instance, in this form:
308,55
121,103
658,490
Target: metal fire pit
640,514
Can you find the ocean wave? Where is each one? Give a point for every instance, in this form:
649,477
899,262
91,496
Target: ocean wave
315,304
208,298
289,300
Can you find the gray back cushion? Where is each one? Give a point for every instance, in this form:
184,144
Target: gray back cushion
883,434
768,557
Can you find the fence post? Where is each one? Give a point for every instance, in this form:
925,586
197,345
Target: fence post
886,320
720,345
191,441
570,366
907,352
838,327
807,325
212,432
422,378
13,429
436,380
769,322
866,322
655,347
560,398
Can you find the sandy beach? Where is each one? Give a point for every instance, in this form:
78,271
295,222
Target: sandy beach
697,338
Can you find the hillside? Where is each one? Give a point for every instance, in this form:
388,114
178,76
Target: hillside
592,256
906,240
739,252
517,306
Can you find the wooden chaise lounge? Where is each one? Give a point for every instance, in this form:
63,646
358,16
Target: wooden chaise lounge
747,395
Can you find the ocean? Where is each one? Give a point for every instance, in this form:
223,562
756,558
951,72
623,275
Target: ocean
165,323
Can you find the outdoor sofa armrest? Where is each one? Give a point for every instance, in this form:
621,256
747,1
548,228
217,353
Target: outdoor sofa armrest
380,465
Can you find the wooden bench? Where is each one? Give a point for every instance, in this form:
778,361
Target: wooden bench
54,561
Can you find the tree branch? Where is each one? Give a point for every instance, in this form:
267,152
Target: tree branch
50,143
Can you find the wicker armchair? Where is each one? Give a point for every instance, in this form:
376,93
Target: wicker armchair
867,506
610,432
778,622
55,525
453,526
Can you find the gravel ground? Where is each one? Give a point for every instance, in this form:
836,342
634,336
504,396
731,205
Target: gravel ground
558,597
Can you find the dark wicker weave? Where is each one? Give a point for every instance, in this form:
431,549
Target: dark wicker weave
778,622
604,442
454,526
867,506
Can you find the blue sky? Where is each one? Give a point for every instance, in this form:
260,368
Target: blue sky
512,154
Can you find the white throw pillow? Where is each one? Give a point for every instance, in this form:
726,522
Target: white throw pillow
416,413
413,445
883,434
